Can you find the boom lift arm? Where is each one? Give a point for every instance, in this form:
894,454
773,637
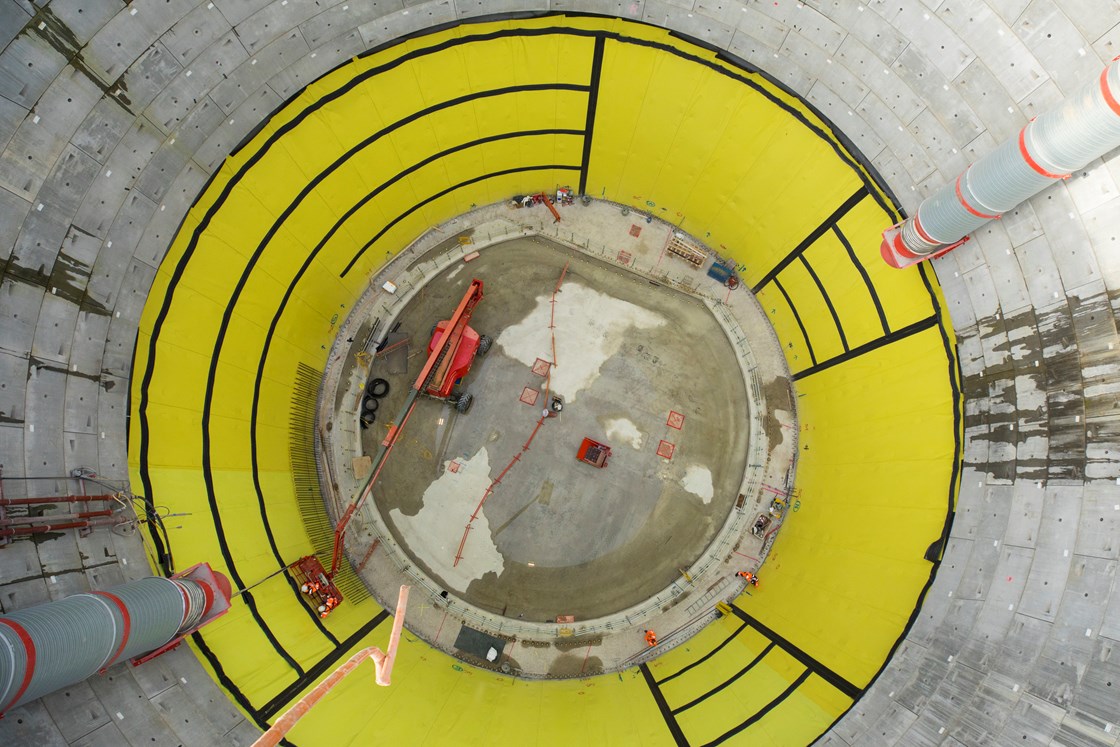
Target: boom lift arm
438,364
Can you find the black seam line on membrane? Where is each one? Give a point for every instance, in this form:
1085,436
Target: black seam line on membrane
285,696
231,688
164,556
729,681
592,103
757,716
816,667
169,293
797,318
705,657
228,314
839,144
955,377
811,239
219,201
223,543
827,301
666,713
912,329
288,126
449,190
267,346
866,278
226,682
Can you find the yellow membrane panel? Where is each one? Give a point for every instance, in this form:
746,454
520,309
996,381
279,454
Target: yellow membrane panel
290,228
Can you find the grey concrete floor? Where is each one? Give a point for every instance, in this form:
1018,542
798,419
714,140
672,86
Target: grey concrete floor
558,537
918,91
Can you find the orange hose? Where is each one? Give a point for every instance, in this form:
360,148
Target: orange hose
383,666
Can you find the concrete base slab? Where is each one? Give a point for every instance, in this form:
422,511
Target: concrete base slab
561,537
489,514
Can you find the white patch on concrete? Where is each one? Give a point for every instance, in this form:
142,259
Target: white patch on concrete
590,328
698,481
435,532
458,268
621,429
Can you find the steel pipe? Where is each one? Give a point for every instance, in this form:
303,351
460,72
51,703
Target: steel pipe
55,499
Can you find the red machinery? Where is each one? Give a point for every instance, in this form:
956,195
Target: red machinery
314,582
454,345
594,453
451,353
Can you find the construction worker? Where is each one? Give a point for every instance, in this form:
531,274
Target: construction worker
750,578
310,587
328,604
651,638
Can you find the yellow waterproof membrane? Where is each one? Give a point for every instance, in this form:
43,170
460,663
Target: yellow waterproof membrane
290,229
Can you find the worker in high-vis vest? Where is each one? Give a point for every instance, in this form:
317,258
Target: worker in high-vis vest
328,604
750,578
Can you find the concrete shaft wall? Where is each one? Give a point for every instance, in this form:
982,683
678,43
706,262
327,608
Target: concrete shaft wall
113,117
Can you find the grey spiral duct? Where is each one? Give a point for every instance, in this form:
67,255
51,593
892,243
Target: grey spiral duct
59,643
1084,127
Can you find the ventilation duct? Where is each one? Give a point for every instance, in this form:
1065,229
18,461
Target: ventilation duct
53,645
1084,127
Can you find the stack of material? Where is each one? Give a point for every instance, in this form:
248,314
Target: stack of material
686,251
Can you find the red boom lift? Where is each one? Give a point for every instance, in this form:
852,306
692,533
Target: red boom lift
451,352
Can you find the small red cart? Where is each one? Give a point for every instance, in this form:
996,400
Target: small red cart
594,453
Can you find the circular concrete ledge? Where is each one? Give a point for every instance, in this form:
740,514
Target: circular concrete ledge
614,579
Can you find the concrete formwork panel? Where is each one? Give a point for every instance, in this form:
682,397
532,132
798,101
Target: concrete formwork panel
31,724
19,305
915,164
248,77
653,11
129,34
399,23
55,329
196,81
28,65
992,40
13,380
327,55
236,127
145,78
121,696
194,32
1068,241
995,616
271,22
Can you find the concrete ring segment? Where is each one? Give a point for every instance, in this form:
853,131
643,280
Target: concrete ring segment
491,511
